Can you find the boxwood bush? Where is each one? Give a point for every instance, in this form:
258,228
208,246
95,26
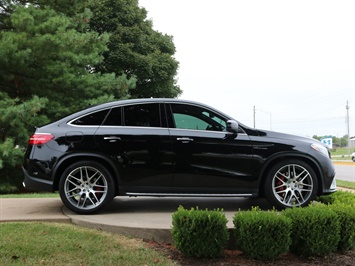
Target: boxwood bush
346,216
262,235
339,197
200,233
315,230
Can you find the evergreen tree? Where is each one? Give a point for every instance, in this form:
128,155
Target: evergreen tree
57,57
46,71
135,49
16,120
46,54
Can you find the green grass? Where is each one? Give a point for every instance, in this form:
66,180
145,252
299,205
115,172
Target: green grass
31,195
341,154
346,184
345,157
65,244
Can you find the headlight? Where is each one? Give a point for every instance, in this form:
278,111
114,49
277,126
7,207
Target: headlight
321,149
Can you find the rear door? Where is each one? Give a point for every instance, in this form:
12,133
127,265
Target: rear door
136,136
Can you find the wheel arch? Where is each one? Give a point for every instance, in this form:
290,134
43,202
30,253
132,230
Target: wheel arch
279,158
76,157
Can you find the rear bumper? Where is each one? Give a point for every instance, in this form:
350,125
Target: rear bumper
36,184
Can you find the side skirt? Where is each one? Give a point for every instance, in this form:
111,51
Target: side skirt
135,194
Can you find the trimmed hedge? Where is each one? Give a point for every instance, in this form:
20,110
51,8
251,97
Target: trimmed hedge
315,230
339,197
262,235
346,216
200,233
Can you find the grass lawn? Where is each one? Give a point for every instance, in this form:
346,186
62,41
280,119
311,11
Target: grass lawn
65,244
341,154
31,195
346,184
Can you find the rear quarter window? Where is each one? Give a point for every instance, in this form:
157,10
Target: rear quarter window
92,119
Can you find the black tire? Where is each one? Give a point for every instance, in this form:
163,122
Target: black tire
86,187
291,183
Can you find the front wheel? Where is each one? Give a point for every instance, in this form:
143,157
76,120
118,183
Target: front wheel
86,187
291,183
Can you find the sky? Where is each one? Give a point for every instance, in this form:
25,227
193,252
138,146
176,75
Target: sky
293,61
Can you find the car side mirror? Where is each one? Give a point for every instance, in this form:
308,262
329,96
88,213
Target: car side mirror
232,126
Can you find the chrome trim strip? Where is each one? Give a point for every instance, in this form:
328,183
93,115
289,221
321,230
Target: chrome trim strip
186,195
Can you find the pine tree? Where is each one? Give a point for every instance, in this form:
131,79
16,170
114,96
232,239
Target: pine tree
46,72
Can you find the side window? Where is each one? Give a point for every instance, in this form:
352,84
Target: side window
93,119
114,118
142,115
196,118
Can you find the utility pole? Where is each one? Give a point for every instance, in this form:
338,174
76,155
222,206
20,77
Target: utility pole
348,125
254,112
254,115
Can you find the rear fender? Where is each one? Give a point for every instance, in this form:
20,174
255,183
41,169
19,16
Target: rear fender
69,159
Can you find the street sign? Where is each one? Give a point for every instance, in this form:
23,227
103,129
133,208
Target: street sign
327,141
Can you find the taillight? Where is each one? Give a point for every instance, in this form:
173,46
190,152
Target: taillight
40,138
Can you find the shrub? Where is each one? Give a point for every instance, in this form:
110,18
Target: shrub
200,233
11,178
315,230
339,197
346,216
6,188
262,235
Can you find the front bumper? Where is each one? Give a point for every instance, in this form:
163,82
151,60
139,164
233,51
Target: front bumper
333,187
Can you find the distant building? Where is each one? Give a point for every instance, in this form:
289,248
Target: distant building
352,142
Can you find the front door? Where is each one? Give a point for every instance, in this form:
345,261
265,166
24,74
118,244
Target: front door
208,159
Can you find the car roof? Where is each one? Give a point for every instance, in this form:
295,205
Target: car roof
133,101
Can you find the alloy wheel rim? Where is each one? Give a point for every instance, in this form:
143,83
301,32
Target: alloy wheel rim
292,185
85,187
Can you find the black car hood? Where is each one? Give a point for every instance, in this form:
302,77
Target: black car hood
278,135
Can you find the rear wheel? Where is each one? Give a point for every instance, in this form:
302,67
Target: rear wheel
291,183
86,187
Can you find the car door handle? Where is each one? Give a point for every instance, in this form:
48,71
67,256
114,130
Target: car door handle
185,140
112,138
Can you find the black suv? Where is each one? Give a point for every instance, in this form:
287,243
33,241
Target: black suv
169,147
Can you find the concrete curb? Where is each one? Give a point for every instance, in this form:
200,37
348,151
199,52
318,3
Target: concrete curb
151,218
32,210
158,235
143,217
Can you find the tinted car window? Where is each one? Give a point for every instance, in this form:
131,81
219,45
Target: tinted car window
114,118
142,115
93,119
197,118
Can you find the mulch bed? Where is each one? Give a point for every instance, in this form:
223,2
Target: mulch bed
236,257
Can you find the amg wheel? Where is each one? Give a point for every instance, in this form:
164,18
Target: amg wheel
291,183
86,187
